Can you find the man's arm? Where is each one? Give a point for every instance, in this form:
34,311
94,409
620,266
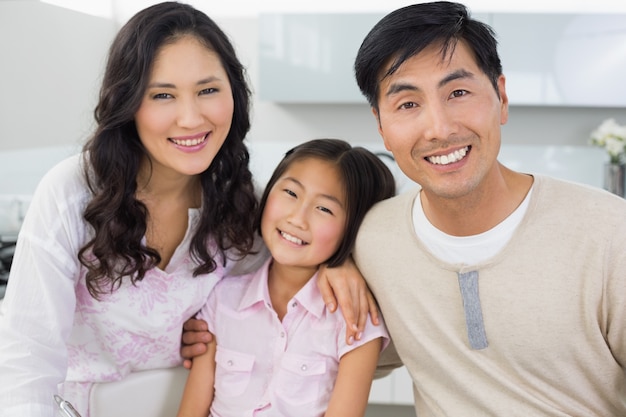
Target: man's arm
195,338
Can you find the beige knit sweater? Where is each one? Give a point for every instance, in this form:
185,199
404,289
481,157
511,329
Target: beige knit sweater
552,304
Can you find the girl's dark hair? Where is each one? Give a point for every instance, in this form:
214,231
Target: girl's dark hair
366,180
112,156
407,31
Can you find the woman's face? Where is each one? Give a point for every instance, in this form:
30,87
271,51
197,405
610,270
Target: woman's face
187,109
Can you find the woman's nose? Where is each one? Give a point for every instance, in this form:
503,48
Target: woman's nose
189,114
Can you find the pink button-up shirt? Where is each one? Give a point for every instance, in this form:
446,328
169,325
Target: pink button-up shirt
265,367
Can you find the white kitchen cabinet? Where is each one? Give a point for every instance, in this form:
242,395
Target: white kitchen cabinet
309,57
395,388
548,59
563,59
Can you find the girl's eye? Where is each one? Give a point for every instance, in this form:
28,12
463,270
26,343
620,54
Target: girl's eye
289,192
325,210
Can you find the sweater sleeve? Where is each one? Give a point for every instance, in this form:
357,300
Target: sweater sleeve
615,296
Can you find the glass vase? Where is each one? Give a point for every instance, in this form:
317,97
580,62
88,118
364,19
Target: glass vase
614,175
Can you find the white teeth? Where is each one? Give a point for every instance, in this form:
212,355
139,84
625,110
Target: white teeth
189,142
292,239
450,158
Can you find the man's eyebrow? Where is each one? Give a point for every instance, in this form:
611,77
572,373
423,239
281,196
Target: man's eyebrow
395,88
455,75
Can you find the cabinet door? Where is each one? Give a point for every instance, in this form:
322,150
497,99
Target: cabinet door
563,59
548,59
309,58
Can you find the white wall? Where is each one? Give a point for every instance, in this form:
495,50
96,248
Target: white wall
52,59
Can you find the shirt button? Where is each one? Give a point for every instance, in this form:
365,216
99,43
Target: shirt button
295,304
303,367
230,363
282,334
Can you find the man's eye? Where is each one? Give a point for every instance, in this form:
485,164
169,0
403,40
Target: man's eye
409,105
459,93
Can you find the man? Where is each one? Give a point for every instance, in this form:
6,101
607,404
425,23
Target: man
504,293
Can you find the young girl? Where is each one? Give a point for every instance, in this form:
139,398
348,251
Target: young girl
277,350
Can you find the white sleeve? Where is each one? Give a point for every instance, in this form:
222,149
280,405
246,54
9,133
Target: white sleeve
37,313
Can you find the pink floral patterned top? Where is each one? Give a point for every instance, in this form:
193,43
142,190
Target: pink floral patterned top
56,338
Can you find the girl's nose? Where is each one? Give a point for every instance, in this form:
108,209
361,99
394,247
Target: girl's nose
298,216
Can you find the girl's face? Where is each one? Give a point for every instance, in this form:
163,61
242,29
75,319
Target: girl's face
305,214
187,109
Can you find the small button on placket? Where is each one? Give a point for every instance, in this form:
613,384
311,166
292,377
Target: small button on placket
304,367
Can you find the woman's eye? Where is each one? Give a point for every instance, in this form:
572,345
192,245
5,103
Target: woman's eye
161,96
210,90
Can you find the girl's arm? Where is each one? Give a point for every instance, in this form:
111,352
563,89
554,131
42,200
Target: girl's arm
346,286
198,393
354,380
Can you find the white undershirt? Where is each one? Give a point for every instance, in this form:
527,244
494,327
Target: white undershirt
466,250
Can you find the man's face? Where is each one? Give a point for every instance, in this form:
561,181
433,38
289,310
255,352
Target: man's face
441,120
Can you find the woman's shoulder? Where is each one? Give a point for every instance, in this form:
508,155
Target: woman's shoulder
63,185
68,170
65,175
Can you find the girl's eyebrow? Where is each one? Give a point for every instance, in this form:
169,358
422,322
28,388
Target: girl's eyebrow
326,196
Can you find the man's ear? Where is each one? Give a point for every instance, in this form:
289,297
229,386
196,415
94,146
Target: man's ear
380,127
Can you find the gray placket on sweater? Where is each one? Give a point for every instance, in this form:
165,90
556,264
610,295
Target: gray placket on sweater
468,283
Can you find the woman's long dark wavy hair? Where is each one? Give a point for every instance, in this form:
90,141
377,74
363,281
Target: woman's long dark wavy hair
112,156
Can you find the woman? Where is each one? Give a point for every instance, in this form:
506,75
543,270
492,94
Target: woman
123,244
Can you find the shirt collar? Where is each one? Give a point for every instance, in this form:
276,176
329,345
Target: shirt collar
257,291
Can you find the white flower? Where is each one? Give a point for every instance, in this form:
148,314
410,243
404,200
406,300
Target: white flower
612,137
